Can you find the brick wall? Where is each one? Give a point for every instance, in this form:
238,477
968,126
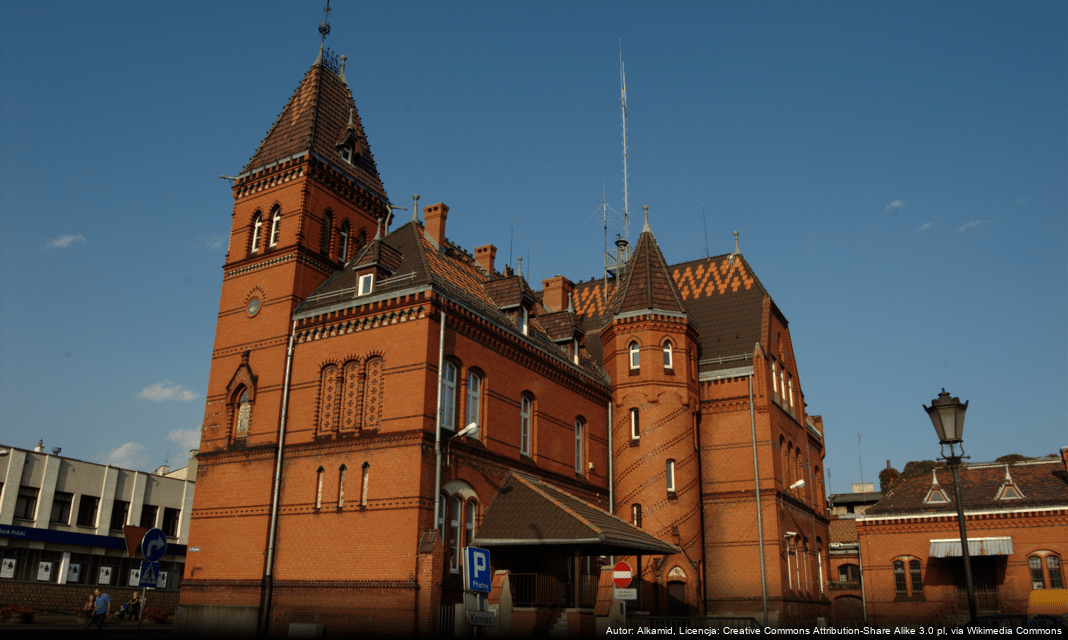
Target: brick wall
70,598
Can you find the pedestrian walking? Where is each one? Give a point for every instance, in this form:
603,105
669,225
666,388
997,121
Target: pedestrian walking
88,609
100,613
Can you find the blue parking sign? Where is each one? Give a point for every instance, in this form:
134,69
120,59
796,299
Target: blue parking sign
477,574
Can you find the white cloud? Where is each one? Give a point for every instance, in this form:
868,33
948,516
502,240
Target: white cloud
65,241
969,225
896,204
129,456
188,438
925,226
167,390
1021,200
210,242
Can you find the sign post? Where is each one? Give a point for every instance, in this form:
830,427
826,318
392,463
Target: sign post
622,576
477,580
153,546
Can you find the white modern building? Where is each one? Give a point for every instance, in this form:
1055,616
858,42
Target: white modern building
61,521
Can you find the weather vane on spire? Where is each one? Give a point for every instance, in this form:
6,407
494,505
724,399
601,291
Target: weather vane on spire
324,26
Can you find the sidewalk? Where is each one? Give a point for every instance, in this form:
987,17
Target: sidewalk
65,625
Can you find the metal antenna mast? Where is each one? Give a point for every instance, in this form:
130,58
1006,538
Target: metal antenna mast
623,107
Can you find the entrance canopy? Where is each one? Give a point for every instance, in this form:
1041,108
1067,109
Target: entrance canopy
950,547
529,513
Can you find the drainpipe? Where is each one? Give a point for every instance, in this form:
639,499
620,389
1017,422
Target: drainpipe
611,478
756,483
268,577
437,422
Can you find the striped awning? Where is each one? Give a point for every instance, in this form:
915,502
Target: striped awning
950,547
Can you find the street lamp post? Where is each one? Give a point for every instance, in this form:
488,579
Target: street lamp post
947,416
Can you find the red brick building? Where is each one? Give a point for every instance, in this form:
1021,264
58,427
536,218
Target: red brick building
1017,523
667,395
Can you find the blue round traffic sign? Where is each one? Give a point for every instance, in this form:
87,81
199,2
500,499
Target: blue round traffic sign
154,545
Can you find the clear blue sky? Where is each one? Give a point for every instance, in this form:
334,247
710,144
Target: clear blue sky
896,171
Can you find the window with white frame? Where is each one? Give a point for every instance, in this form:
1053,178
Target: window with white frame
522,320
635,360
366,283
474,401
525,411
257,226
343,254
667,355
276,225
669,476
448,397
472,510
635,426
580,435
319,488
636,515
575,350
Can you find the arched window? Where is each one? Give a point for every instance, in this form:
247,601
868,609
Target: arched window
669,476
667,355
635,425
580,437
366,467
635,361
341,486
257,226
849,574
1045,571
328,228
343,254
276,225
908,585
448,397
456,510
319,488
474,401
472,511
526,416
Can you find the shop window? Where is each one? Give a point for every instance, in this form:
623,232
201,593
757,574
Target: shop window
61,504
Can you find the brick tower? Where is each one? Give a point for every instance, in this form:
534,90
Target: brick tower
308,199
650,354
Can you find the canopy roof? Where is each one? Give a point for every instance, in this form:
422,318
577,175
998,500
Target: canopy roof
528,512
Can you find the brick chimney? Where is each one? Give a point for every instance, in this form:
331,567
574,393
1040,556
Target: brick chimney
555,291
434,220
485,255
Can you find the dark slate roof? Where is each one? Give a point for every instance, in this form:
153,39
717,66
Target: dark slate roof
314,119
855,498
528,512
561,325
1042,483
419,264
646,283
721,295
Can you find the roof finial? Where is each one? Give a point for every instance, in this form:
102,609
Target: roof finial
415,207
737,251
520,266
378,230
342,75
646,227
934,476
570,303
324,26
351,110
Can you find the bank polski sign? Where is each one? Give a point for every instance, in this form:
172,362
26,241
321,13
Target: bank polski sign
477,574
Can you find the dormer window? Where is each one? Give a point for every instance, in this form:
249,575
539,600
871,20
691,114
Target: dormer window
366,284
522,320
347,152
575,350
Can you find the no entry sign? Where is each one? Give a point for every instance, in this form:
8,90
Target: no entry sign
622,575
